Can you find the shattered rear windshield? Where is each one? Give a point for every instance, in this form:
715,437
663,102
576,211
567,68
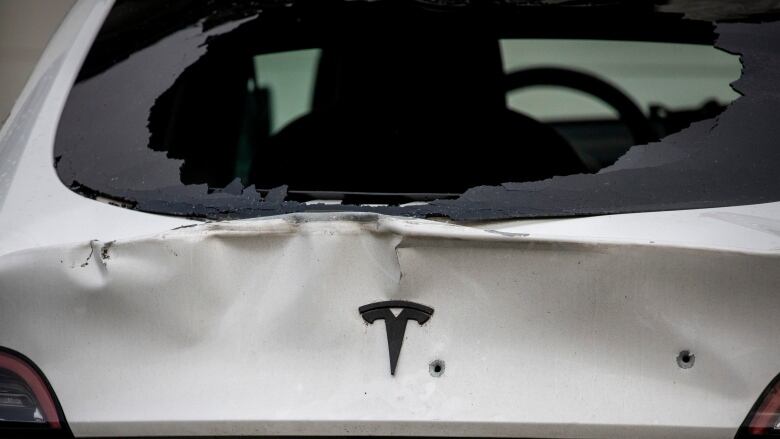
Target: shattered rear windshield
469,110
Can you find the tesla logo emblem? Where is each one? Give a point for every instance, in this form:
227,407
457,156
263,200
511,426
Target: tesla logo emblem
395,323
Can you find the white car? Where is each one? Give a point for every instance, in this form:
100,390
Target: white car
459,218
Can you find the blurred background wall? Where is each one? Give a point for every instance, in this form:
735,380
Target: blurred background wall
25,28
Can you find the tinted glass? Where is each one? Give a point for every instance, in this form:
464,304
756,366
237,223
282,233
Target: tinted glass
264,108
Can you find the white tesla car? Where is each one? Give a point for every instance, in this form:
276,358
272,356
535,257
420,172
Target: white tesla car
459,218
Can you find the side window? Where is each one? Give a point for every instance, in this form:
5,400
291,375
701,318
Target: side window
289,80
670,84
673,75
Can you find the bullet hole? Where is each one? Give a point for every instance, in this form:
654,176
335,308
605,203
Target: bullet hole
686,359
436,368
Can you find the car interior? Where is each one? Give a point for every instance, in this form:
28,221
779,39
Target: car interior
414,109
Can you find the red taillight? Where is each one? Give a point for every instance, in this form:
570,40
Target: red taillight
764,419
26,402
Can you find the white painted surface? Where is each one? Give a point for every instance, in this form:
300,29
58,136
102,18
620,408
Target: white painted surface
35,207
252,326
25,28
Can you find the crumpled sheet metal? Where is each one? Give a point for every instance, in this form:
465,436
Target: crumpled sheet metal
252,327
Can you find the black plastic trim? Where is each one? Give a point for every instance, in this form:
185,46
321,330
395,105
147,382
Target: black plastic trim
395,304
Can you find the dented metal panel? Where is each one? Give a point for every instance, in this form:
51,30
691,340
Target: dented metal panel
252,327
559,328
